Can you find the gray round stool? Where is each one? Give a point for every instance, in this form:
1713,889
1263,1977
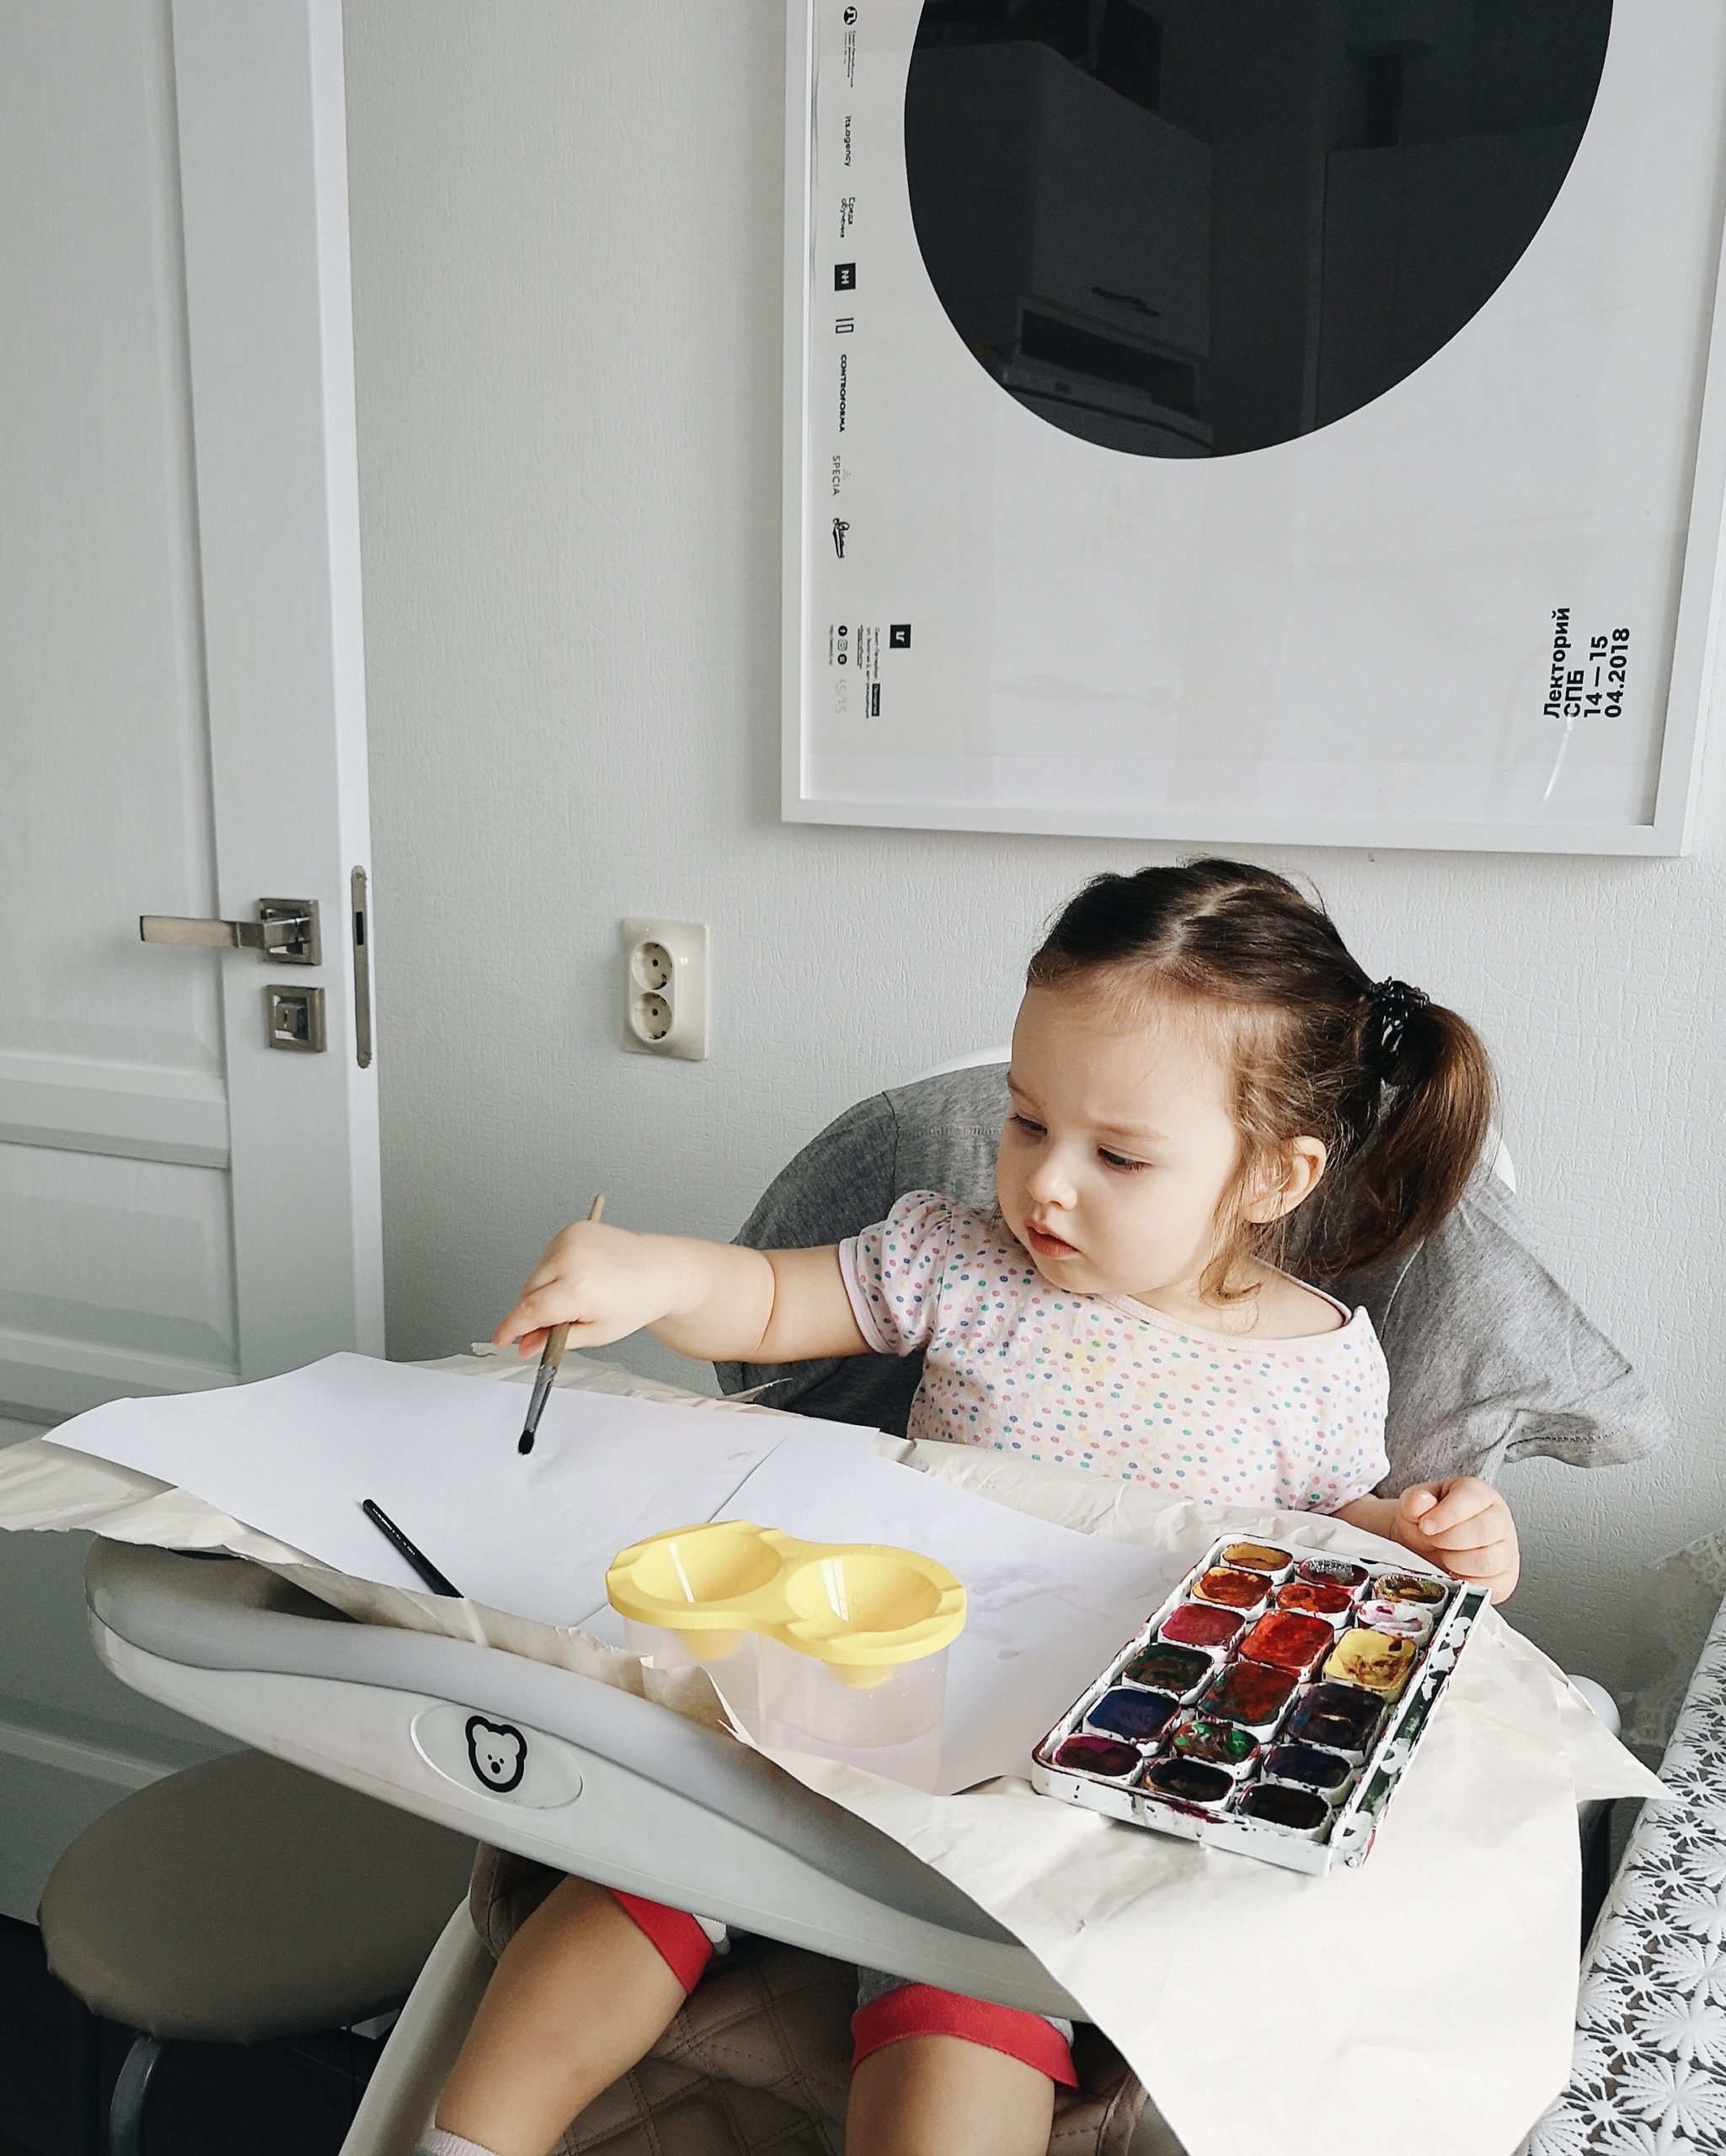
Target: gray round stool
238,1902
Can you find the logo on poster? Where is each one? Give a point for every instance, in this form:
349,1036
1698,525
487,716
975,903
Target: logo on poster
841,392
850,16
843,325
845,276
847,138
839,476
899,636
839,528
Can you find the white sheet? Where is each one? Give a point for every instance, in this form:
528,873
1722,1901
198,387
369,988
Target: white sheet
293,1456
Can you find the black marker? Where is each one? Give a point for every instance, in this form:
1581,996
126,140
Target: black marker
422,1564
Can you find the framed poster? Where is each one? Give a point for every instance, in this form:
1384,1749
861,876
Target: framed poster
1254,420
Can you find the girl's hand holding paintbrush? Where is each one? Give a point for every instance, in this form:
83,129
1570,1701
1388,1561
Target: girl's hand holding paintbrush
713,1301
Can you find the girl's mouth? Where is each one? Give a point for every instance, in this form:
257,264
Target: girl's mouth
1043,1245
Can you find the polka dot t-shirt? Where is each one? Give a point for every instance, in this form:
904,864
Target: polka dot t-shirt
1108,1383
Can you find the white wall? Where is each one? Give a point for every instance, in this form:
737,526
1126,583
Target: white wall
566,243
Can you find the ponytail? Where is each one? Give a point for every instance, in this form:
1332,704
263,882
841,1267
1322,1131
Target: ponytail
1422,1139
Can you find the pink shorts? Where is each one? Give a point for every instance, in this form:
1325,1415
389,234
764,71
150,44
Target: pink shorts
891,2010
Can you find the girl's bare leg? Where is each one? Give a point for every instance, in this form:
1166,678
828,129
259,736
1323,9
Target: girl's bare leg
941,2096
578,1996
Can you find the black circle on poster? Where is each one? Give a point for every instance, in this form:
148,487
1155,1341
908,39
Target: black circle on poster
1193,228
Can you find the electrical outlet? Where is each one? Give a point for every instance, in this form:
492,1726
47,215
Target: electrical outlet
665,988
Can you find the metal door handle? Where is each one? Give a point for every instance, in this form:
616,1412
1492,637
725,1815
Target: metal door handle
286,930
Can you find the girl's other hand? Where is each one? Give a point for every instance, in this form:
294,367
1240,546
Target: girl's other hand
1465,1526
602,1283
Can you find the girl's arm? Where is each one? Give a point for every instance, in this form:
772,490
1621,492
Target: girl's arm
713,1301
1462,1525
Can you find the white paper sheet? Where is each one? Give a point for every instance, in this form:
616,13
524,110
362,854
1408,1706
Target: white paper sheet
293,1456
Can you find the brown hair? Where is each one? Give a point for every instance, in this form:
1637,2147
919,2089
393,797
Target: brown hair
1398,1089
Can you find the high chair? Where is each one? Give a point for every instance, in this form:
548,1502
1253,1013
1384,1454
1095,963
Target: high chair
635,1797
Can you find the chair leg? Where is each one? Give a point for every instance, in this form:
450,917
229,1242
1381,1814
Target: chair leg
1596,1863
126,2113
85,2049
396,2107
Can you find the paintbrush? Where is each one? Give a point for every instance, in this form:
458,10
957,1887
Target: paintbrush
550,1355
417,1558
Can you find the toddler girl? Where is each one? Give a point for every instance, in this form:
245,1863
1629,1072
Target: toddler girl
1206,1091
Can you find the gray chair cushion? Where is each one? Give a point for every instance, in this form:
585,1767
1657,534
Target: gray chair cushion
245,1899
1490,1358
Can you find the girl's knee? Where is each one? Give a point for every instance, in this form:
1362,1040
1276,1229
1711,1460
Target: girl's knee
947,2096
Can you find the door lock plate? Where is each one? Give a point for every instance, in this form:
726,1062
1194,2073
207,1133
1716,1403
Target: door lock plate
297,1019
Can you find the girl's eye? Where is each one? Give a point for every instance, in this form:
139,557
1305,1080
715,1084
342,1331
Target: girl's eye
1115,1161
1031,1130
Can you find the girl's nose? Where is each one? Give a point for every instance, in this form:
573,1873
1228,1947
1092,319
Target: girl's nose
1048,1182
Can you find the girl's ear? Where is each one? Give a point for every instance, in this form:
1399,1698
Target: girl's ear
1289,1179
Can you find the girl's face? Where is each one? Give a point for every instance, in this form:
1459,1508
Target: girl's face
1120,1146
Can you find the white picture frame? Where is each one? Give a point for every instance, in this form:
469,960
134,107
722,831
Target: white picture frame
979,792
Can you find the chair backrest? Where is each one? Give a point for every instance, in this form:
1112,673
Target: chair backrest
1489,1358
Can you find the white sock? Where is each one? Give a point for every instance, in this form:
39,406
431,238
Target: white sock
437,2143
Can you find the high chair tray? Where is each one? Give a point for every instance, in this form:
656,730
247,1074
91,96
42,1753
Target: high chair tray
552,1765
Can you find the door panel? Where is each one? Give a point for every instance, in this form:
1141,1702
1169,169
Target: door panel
94,1105
116,1276
108,756
182,731
180,1204
269,346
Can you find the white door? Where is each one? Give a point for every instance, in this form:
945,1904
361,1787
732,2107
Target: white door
182,733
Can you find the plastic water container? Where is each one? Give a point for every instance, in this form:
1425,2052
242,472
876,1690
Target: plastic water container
834,1648
679,1595
731,1659
888,1719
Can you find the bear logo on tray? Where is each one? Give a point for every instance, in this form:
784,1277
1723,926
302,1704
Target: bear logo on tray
497,1752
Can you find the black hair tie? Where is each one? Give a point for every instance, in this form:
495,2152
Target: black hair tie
1389,1003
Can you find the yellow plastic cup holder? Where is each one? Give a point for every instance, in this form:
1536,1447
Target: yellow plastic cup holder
698,1566
861,1608
862,1591
716,1646
862,1676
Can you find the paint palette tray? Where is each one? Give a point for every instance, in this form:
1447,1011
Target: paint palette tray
1269,1707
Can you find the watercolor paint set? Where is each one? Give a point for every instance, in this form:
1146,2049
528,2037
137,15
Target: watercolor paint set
1270,1705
